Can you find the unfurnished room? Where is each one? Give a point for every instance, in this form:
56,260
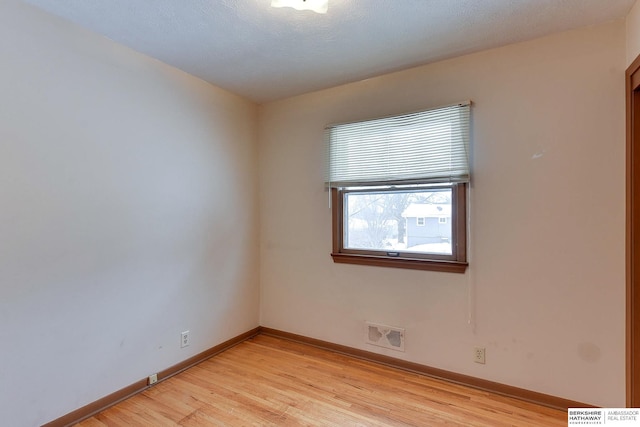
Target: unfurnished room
319,212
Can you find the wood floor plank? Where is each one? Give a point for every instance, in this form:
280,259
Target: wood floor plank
269,381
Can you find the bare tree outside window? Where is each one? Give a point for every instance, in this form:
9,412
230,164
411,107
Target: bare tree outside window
385,221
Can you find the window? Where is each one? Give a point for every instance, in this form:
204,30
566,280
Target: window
399,188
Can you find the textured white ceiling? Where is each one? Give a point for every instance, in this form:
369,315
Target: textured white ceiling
265,53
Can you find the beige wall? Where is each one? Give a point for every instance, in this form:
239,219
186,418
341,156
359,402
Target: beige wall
128,214
545,290
633,33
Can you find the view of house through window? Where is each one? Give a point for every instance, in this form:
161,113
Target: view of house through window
399,220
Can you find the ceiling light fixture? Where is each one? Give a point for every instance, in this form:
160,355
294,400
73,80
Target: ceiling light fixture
318,6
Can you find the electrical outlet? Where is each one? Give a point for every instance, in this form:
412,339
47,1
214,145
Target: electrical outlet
478,355
184,339
152,379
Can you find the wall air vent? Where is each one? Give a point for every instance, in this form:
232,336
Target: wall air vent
384,336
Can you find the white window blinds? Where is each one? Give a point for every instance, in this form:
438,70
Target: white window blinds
427,146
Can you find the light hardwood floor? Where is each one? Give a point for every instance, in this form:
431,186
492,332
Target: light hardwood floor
268,381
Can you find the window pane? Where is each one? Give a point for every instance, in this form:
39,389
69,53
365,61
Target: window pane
407,221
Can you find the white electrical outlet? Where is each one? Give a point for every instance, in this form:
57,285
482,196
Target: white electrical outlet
479,355
153,379
184,339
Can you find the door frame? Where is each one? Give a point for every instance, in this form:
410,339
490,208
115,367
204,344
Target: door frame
632,90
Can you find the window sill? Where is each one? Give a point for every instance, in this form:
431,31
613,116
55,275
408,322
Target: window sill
409,263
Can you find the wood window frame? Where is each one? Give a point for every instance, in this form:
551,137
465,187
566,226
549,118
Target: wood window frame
456,263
